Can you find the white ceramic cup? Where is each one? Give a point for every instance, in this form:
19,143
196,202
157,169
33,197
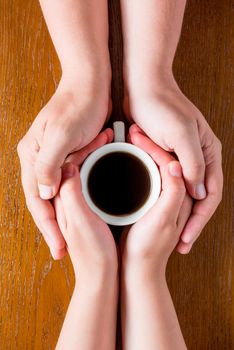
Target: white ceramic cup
119,145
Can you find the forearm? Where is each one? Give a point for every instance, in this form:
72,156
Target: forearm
90,322
79,30
148,315
151,31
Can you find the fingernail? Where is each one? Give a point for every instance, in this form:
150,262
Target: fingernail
46,192
68,170
175,169
186,238
200,191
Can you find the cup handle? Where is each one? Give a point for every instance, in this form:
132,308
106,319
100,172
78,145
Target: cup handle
119,131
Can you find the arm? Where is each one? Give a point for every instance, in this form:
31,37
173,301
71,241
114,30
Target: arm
91,317
80,35
76,112
151,31
149,320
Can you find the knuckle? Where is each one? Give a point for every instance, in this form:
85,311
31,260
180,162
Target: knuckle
198,166
28,203
219,196
218,144
178,190
21,147
195,171
166,221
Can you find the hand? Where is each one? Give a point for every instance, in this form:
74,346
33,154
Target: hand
153,238
175,124
70,120
152,323
92,249
89,240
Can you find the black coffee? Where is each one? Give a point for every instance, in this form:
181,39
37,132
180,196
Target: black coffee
119,183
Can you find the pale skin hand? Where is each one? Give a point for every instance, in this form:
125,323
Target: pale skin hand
154,101
90,322
149,319
76,112
47,222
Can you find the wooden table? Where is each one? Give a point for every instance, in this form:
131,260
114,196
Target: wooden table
35,290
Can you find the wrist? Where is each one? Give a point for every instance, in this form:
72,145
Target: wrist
98,275
143,81
93,71
86,86
96,281
140,272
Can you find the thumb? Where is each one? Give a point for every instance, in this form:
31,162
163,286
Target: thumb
50,158
190,154
173,191
71,195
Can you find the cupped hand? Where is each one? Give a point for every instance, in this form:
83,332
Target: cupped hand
89,240
70,121
157,233
176,125
162,159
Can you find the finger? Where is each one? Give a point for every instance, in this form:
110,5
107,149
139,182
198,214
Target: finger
188,149
183,248
42,211
59,213
167,208
134,128
103,138
160,156
203,210
173,191
185,212
74,204
56,145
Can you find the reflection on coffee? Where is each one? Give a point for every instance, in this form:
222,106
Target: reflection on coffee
119,183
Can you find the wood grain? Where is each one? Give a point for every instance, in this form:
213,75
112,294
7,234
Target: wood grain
35,290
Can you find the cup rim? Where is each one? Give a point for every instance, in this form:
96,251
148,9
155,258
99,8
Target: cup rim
155,178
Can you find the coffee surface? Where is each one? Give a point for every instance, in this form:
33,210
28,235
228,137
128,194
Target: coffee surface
119,183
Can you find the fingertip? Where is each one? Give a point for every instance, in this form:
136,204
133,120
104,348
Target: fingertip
186,238
58,254
71,183
134,128
175,169
183,248
135,138
110,134
200,191
46,192
69,170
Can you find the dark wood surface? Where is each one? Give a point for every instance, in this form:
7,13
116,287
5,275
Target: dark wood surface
35,290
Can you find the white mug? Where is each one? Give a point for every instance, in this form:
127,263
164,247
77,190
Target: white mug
119,145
